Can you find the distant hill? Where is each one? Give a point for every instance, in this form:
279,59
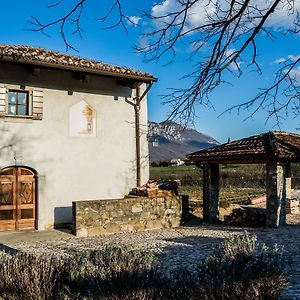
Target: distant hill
174,141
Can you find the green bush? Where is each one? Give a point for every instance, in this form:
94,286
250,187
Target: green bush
225,203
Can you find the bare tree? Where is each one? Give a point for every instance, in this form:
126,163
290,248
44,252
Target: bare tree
224,38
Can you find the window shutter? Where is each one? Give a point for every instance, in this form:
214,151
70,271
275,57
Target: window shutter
37,104
2,101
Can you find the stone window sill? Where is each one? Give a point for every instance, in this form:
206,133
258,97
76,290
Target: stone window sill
12,118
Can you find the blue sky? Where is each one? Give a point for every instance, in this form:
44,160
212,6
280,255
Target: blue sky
114,46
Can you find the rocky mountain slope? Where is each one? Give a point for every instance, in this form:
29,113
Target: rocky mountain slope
174,141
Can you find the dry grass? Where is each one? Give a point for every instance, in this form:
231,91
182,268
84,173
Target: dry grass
27,277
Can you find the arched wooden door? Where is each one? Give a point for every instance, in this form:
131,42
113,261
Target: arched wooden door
17,198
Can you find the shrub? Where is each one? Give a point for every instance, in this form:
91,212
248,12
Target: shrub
225,203
240,266
29,277
113,270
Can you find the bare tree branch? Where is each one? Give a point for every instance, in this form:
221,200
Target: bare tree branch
122,18
224,40
73,15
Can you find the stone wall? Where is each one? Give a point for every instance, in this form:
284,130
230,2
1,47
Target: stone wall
97,217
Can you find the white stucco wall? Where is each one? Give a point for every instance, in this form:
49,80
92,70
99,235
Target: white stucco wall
74,168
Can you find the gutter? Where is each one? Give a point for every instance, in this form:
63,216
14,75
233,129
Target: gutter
137,106
137,130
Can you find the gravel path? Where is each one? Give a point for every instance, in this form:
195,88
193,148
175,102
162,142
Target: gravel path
179,246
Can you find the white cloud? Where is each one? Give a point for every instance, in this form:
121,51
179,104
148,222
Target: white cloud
280,60
293,57
229,52
197,15
135,20
206,11
235,65
295,75
285,14
289,58
283,17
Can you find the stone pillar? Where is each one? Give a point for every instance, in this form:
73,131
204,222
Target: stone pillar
288,178
211,192
278,184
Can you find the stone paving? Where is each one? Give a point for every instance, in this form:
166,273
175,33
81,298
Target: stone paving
179,246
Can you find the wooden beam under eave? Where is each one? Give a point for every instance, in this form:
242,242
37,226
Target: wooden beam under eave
128,83
81,76
35,71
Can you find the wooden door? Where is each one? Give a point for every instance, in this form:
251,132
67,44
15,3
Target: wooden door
8,213
17,198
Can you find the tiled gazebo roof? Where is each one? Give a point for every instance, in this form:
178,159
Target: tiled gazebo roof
53,59
270,146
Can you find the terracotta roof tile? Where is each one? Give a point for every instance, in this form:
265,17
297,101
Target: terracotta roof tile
44,57
276,145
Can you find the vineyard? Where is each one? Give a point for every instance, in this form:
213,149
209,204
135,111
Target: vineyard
239,183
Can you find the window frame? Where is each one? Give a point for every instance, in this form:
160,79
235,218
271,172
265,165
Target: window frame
16,104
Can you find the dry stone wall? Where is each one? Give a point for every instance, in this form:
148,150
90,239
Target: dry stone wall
96,217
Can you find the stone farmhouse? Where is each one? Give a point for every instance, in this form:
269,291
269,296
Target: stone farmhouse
71,129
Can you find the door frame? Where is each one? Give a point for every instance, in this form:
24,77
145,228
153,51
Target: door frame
36,189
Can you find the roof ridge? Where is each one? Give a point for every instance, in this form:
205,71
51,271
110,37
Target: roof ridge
273,145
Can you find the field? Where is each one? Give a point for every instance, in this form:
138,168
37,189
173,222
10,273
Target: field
238,182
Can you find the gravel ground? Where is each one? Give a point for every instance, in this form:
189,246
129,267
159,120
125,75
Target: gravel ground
182,246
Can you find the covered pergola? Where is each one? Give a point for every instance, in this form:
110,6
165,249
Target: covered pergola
276,149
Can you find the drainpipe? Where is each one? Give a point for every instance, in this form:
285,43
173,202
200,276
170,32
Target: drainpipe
137,108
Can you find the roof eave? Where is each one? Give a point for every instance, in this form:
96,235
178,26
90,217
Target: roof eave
79,69
250,159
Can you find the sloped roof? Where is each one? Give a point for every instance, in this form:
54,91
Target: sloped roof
49,58
270,146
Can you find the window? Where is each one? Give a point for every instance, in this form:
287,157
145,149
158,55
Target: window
18,104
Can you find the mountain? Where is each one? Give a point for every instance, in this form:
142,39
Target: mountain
175,141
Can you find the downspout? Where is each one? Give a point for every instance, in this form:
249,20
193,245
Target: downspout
137,107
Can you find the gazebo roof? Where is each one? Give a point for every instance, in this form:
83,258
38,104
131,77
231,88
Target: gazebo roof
270,146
